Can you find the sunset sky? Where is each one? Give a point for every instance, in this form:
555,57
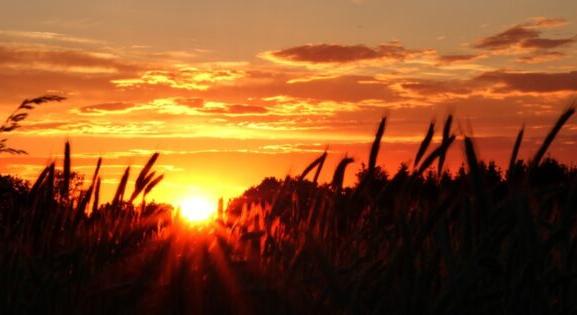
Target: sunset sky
232,91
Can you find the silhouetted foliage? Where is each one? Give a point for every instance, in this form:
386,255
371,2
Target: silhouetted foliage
419,241
13,121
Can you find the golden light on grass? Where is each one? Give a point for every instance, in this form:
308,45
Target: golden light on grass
197,209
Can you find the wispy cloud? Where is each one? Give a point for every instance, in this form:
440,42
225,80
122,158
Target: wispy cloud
533,81
183,77
53,59
49,37
528,38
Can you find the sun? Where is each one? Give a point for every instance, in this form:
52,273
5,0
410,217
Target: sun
197,209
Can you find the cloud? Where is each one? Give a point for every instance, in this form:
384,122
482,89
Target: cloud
434,87
341,89
546,43
352,58
165,105
170,106
190,102
533,81
183,77
494,84
84,127
43,125
544,22
334,53
54,59
234,109
156,95
289,106
49,37
107,108
540,57
525,37
448,59
516,35
346,88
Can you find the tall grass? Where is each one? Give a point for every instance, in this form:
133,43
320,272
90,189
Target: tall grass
474,243
418,242
53,247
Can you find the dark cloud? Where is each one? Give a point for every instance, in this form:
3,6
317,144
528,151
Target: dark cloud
546,43
496,81
525,35
333,53
510,37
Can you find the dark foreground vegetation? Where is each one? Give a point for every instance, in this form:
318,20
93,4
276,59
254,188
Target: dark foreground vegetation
421,241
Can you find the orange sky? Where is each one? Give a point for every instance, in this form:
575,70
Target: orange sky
232,91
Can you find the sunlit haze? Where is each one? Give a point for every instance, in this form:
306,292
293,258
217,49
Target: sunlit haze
197,209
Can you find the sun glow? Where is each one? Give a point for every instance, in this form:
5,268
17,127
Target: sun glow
197,209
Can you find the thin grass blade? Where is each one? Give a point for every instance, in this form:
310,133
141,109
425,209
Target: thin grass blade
425,143
375,147
515,152
551,136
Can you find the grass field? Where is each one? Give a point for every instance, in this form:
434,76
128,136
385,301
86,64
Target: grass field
421,241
